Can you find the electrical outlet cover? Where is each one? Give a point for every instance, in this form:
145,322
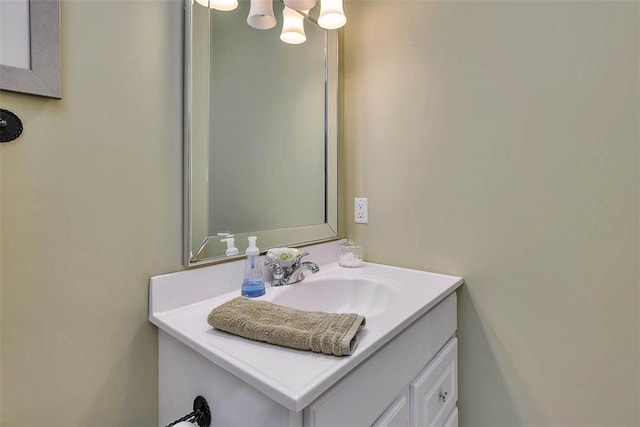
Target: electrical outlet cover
361,210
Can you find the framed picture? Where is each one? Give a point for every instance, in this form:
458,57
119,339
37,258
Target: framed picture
40,73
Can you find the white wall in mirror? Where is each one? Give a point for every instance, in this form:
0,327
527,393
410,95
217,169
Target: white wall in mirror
267,149
14,33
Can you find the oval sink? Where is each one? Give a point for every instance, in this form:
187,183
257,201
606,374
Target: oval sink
366,296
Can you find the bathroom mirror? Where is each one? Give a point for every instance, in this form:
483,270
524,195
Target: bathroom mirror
260,134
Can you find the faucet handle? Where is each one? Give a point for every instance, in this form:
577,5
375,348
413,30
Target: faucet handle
278,272
273,265
296,263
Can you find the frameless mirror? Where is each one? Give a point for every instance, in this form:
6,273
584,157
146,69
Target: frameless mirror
260,142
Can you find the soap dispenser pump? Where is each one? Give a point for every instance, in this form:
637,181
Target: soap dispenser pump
253,283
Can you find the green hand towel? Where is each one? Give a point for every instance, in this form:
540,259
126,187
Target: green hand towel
328,333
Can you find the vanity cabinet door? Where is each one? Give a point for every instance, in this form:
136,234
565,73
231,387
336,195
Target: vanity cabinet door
434,392
397,414
452,421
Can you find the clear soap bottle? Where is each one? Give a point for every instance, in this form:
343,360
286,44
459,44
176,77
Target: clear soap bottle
253,283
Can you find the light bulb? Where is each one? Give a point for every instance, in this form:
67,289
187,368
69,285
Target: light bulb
223,5
261,14
300,4
331,14
292,26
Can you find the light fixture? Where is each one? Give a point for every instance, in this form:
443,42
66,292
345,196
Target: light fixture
293,26
304,5
223,5
261,15
331,14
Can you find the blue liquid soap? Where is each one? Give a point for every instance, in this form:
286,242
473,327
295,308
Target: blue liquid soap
252,288
253,284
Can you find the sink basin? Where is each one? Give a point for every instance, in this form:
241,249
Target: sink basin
368,296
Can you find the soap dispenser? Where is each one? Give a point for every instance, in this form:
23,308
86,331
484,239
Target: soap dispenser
231,246
253,283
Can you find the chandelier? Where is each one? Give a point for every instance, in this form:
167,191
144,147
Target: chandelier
261,15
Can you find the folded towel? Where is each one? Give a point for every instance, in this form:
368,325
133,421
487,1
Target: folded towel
328,333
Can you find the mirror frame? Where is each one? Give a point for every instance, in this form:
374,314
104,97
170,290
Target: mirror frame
317,233
43,78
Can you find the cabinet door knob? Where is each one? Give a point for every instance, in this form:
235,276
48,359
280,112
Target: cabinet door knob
443,396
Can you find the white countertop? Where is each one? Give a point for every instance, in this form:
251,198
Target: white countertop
294,378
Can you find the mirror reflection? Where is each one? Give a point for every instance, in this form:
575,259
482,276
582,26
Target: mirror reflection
260,140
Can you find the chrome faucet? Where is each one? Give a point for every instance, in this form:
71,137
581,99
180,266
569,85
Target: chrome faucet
294,273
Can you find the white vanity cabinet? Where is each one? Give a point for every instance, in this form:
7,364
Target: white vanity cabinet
410,381
402,373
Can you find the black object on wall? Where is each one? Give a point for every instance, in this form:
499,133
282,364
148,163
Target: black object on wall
10,126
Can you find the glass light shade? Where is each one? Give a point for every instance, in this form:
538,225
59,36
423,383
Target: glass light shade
261,14
292,26
224,5
331,14
300,4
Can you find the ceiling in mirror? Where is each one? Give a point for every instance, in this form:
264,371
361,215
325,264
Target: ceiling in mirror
260,134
